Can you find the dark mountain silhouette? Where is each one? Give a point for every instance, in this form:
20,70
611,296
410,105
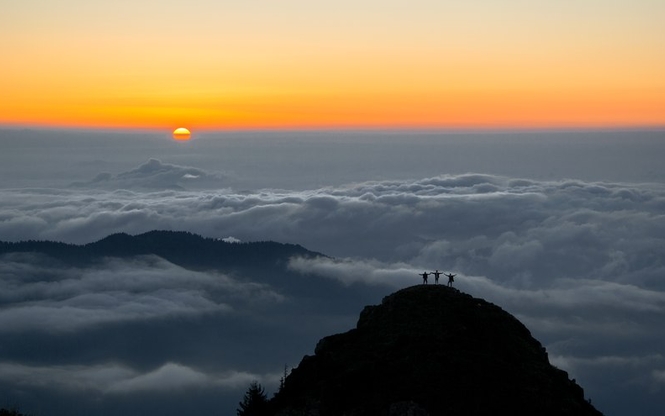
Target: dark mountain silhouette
260,262
182,248
430,350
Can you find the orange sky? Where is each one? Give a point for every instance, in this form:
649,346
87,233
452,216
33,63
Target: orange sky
297,63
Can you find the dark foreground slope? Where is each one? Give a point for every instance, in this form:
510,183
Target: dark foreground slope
431,350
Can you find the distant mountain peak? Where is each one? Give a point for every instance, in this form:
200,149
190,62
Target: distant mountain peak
431,350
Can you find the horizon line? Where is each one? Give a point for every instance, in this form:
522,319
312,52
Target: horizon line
340,128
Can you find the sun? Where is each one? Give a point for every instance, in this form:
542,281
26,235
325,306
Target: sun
181,134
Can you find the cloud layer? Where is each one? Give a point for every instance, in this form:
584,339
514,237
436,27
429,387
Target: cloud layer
507,229
118,379
580,263
38,295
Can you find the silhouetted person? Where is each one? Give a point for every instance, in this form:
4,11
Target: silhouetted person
424,275
436,274
450,277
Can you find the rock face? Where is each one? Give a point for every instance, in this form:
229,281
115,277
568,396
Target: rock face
430,350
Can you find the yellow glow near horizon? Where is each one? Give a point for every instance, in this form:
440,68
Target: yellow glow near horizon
297,63
182,134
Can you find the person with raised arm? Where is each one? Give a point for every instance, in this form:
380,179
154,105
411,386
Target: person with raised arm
451,279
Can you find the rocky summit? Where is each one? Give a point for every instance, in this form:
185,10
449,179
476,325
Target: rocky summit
430,350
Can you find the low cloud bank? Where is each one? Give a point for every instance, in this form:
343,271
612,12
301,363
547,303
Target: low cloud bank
120,379
38,295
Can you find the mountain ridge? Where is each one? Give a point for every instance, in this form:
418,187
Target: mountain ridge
264,262
179,247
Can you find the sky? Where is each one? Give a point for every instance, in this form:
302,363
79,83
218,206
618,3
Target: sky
302,64
517,143
563,229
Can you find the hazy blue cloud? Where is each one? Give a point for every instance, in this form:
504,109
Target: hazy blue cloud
349,271
38,294
114,379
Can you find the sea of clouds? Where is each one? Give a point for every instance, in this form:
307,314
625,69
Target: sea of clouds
579,261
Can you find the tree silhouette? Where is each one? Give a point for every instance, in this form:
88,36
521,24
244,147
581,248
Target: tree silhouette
255,401
282,380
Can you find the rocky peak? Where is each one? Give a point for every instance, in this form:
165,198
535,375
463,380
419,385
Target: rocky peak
430,350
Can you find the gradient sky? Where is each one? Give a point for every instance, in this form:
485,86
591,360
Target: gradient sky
299,63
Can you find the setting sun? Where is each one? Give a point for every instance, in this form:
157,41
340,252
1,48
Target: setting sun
182,134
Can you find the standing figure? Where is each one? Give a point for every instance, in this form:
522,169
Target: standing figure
424,275
436,274
450,278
